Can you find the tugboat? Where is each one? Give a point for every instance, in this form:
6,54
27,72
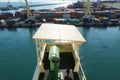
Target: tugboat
57,48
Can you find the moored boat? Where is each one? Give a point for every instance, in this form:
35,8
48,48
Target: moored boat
57,47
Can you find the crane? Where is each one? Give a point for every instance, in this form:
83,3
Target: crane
87,18
30,19
28,9
98,4
87,8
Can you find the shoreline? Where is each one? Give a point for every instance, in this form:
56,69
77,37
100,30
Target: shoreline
23,25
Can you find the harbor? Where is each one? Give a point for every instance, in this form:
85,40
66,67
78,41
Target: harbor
77,14
23,25
31,42
57,17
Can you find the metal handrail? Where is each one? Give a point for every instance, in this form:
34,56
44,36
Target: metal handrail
81,73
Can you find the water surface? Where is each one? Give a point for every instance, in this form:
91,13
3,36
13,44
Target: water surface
100,55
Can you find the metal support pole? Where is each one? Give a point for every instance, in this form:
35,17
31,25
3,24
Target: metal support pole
37,49
56,71
87,11
28,9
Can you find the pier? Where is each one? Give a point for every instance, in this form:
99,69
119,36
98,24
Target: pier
22,24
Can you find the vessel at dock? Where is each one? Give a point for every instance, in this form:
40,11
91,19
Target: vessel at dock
58,53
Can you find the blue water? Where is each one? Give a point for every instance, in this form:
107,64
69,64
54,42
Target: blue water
4,4
22,3
17,54
100,54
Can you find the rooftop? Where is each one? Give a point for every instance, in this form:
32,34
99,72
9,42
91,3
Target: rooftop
59,32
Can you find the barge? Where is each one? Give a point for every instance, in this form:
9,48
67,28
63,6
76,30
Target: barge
57,51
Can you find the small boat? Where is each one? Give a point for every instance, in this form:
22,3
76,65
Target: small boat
57,48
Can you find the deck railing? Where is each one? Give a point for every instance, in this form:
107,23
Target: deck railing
81,73
40,48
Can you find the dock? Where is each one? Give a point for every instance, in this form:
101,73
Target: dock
21,25
77,25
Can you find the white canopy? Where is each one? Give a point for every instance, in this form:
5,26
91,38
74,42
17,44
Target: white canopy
60,32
